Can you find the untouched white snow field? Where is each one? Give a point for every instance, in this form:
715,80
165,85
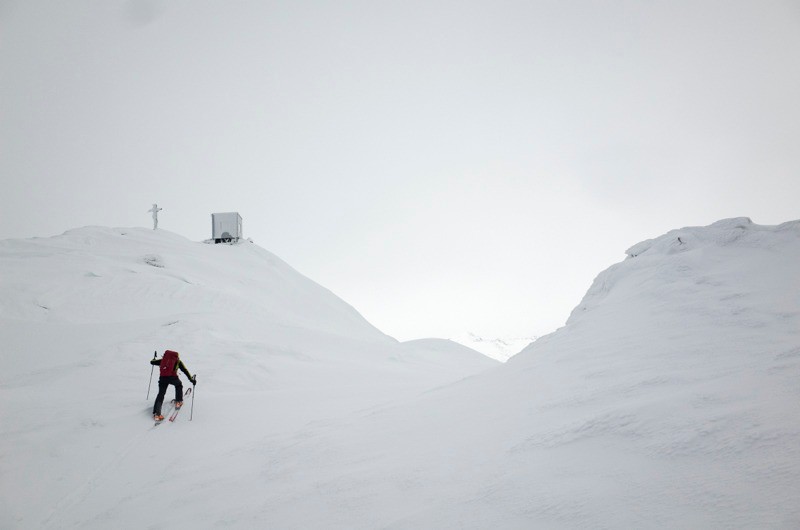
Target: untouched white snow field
669,400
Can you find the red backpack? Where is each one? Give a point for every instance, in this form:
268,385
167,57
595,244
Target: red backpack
169,363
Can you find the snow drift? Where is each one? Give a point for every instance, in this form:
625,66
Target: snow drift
669,399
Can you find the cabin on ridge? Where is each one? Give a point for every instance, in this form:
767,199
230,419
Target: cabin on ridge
226,227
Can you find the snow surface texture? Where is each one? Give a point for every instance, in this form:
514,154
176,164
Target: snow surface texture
80,317
670,398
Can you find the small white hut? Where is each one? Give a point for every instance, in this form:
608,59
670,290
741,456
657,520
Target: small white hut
226,227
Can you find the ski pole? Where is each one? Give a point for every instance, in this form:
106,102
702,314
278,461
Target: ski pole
191,411
151,376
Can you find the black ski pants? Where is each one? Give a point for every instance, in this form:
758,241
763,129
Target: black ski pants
163,383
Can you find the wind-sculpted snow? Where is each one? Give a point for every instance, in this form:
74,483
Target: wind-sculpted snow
695,261
669,400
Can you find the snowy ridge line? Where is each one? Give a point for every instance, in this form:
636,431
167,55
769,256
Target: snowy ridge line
293,350
661,257
667,400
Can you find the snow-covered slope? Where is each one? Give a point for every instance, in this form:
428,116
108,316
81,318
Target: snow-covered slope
500,348
80,317
668,400
80,277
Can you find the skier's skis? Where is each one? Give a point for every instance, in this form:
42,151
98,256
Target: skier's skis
166,414
177,410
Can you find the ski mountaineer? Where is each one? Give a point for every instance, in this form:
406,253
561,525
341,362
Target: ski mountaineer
169,364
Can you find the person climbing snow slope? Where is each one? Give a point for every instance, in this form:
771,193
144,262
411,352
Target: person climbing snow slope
169,364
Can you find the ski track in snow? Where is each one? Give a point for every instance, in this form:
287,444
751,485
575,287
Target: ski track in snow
85,490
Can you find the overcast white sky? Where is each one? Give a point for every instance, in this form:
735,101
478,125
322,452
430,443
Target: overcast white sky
444,166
